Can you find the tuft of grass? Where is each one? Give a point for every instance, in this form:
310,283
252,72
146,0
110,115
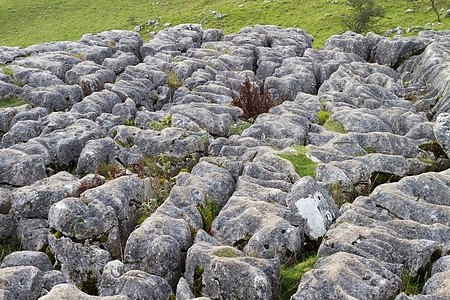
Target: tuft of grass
323,115
303,165
174,81
208,212
227,252
370,149
291,276
7,247
334,125
11,102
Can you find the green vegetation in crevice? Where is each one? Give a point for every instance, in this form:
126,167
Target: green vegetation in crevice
90,285
241,243
227,252
413,285
334,125
198,284
239,126
303,165
161,124
370,149
208,212
7,247
292,274
174,81
323,116
11,102
435,148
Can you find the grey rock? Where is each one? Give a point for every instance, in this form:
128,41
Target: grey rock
65,145
392,52
121,40
8,54
34,201
21,132
93,221
233,270
108,121
314,204
98,103
32,114
90,76
7,226
32,147
127,110
19,169
57,63
125,195
5,200
173,141
134,284
158,246
33,234
22,282
349,42
183,290
345,276
79,262
53,278
441,130
28,258
120,60
8,114
71,292
35,77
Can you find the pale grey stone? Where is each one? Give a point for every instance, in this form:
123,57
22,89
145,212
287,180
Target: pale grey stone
19,169
23,282
28,258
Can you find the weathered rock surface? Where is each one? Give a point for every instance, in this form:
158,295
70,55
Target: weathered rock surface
370,110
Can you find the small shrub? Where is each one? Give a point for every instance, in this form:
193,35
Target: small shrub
363,15
323,115
208,212
303,165
174,81
291,276
251,101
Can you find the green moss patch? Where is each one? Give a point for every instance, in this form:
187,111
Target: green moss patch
303,165
11,102
227,252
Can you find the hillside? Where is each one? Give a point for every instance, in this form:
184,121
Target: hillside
29,22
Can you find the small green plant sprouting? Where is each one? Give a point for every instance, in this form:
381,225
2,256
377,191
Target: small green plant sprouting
175,59
130,123
90,285
240,126
323,115
110,171
147,208
208,212
161,124
75,225
303,165
78,55
164,158
198,285
291,276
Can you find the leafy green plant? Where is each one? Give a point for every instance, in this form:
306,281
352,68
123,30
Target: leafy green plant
161,124
208,212
130,123
110,171
303,165
240,126
292,274
370,149
323,115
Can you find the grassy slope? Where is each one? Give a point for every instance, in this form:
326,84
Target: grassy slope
33,21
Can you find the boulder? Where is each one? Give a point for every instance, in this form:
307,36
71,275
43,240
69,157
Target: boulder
28,258
19,169
71,292
441,130
23,282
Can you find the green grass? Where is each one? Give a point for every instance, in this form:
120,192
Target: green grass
323,115
7,247
36,21
303,165
334,125
291,276
11,102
